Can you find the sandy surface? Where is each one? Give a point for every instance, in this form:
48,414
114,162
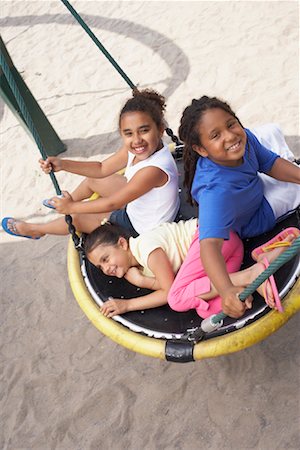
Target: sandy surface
63,384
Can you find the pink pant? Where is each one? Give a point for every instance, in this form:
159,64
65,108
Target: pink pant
191,279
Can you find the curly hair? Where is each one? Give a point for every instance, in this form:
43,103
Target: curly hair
148,101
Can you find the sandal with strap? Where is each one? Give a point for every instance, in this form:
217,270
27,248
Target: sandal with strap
48,204
12,229
272,284
276,241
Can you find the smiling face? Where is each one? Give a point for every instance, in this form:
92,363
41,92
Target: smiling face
113,260
223,139
140,134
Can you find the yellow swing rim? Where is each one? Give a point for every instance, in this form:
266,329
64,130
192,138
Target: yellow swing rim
221,345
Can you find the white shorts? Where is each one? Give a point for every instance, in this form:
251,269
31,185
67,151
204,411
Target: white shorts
283,197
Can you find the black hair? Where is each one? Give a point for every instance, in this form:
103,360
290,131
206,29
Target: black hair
106,234
148,101
188,133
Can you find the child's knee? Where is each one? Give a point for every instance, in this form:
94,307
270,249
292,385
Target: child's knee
175,300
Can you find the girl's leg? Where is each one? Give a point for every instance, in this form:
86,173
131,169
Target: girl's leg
201,295
85,223
103,186
191,280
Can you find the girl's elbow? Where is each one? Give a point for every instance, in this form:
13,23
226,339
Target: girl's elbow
206,245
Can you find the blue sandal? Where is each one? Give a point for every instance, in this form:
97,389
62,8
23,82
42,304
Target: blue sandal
13,230
47,201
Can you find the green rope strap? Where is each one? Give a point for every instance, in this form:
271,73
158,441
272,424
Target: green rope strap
24,110
292,251
117,67
14,87
98,43
214,322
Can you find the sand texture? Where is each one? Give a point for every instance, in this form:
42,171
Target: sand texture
64,385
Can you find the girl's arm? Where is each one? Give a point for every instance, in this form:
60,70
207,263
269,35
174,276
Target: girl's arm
215,268
284,170
91,169
141,183
135,277
160,265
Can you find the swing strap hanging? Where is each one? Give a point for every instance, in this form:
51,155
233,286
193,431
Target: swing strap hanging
98,43
24,110
101,47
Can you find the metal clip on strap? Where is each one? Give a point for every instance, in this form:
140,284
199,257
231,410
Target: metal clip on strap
194,335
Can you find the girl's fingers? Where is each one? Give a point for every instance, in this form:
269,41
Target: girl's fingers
110,313
46,167
248,302
107,309
105,312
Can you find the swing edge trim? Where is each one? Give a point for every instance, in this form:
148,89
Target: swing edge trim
147,346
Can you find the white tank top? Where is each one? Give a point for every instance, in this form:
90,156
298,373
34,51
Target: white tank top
160,204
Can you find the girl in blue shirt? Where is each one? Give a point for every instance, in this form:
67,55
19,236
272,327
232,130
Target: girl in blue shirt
222,160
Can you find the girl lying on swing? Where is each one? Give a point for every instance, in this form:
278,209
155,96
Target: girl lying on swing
152,260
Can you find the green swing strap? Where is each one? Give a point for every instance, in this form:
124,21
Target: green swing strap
101,47
214,322
98,43
48,135
20,101
29,122
292,251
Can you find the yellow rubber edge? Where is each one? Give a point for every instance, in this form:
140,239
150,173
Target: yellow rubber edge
222,345
251,334
121,335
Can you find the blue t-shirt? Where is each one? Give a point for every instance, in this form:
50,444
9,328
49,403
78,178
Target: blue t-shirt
231,198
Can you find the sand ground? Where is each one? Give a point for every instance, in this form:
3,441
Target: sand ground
63,384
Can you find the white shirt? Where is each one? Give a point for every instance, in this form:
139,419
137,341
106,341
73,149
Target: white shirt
160,204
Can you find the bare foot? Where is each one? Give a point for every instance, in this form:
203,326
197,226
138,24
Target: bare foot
271,255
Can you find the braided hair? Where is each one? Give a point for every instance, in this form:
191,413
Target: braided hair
188,133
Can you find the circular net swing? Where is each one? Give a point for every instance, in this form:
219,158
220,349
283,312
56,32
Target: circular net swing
164,333
167,334
161,332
